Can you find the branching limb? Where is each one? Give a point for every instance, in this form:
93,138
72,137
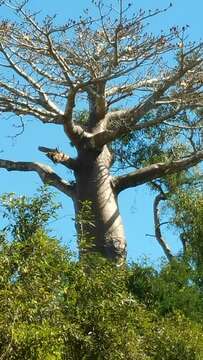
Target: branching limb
17,92
75,132
125,121
127,88
157,224
56,56
59,157
22,107
103,137
155,171
43,98
45,172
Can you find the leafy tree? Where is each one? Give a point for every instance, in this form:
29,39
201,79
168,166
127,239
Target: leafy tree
54,308
182,211
25,216
187,216
48,69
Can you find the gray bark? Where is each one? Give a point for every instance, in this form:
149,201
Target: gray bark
157,225
104,230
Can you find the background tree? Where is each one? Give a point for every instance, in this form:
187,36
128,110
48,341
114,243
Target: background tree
53,71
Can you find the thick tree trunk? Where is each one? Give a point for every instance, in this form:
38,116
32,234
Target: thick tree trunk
98,217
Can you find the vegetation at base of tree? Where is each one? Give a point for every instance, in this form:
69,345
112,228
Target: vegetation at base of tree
53,307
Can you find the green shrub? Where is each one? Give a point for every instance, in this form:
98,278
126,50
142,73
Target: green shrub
55,308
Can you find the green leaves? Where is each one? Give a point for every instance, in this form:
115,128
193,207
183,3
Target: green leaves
54,308
26,215
187,208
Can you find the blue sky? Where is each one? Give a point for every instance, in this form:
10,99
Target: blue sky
135,204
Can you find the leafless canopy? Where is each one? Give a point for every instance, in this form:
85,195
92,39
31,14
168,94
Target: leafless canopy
46,70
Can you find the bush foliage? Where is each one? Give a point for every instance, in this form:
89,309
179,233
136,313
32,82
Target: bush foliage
55,308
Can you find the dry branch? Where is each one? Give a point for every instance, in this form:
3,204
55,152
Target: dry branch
47,175
58,157
158,234
154,171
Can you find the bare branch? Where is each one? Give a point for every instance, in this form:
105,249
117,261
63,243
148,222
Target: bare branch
47,175
17,92
157,224
20,107
103,137
59,157
154,171
125,121
43,99
75,132
59,60
128,88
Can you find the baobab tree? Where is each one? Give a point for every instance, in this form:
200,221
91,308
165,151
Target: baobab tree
114,88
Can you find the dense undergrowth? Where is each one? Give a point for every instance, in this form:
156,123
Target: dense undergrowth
53,307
